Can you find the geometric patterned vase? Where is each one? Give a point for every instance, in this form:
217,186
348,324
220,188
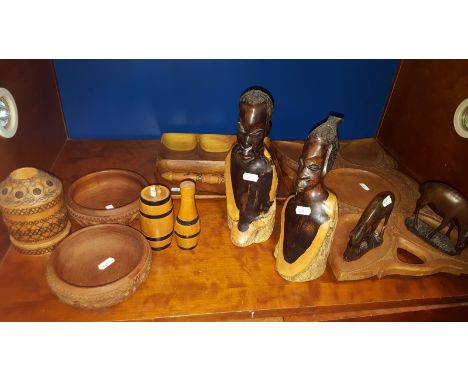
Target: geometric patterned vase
31,202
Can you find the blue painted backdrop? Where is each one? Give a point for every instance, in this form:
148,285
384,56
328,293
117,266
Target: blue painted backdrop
144,98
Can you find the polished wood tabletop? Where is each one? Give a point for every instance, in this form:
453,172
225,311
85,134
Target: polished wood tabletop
216,280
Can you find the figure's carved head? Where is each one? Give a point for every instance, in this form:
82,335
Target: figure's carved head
328,131
312,163
255,109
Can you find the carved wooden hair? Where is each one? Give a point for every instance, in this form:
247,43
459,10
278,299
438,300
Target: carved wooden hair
256,97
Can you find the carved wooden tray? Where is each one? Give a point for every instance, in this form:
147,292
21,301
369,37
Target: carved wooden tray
200,157
402,253
356,187
182,156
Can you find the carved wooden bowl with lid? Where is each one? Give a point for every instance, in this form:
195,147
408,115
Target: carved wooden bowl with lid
108,196
99,266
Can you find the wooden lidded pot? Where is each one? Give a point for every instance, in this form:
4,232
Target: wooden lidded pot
31,201
157,216
187,224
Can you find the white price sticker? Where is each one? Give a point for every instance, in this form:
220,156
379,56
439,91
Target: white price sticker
109,207
301,210
364,186
153,191
106,263
250,177
387,201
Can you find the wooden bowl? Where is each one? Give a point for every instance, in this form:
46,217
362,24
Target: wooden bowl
179,141
216,143
108,196
99,266
362,152
356,187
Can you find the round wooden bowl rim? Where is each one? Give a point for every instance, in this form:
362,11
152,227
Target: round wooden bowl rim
57,283
351,170
101,212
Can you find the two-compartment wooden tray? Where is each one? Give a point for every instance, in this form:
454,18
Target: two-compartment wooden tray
201,158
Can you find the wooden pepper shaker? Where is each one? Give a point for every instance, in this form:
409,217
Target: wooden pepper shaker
187,224
156,216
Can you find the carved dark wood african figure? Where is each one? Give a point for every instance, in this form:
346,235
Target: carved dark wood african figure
309,217
250,175
364,236
449,204
328,131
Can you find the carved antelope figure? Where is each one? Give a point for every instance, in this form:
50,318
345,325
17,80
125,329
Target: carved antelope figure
362,238
450,205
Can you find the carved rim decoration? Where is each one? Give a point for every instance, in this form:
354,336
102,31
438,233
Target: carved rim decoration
8,114
28,191
124,214
37,230
40,247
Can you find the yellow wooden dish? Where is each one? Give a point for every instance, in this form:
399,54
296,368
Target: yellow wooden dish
179,141
216,143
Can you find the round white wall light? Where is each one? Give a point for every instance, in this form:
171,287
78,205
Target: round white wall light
8,114
460,119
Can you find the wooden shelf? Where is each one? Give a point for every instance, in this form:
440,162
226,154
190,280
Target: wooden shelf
218,281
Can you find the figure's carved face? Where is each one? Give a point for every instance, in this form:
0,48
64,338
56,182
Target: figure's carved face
311,162
252,128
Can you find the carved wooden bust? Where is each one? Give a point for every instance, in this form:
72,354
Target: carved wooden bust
250,175
309,217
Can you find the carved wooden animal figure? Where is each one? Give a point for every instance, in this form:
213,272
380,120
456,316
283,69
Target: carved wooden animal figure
449,204
362,238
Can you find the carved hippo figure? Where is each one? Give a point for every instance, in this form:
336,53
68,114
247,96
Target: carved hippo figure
364,236
450,205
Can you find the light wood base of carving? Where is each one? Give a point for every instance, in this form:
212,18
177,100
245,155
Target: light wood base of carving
313,262
259,231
